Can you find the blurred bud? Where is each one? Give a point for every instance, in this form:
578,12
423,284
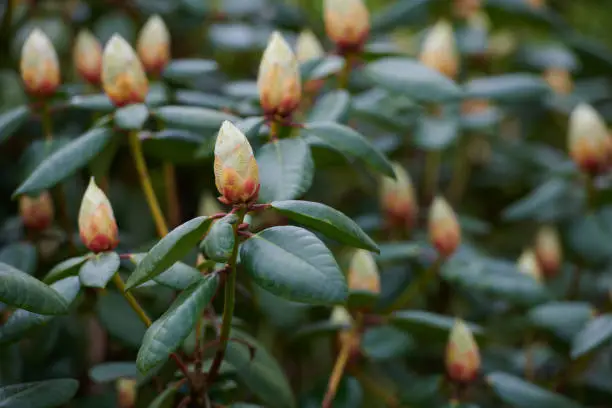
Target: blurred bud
439,51
36,212
97,225
548,251
464,9
502,43
462,355
123,76
88,57
153,45
236,173
588,139
278,80
39,65
363,273
209,205
474,106
444,230
308,47
536,4
398,198
347,23
341,316
528,264
560,80
126,392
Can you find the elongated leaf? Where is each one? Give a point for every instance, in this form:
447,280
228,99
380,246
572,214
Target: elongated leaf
351,143
169,250
565,319
171,329
293,263
65,161
286,170
427,325
508,88
327,220
192,117
332,107
96,103
99,269
25,292
179,276
596,334
165,399
21,255
69,267
131,117
11,120
188,69
107,372
41,394
174,145
398,13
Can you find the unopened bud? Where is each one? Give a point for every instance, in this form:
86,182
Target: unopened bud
88,57
398,198
444,230
474,106
123,76
209,205
308,47
36,212
363,273
439,51
236,172
465,9
536,4
126,392
278,81
588,139
548,251
560,80
502,43
153,45
39,65
341,316
347,23
528,265
462,354
97,225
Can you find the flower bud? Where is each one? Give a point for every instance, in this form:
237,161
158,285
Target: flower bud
398,198
528,264
588,144
465,9
341,316
236,173
88,57
36,212
536,4
363,273
462,355
439,51
444,230
548,251
347,23
39,65
278,81
559,80
123,76
153,45
97,225
126,392
308,47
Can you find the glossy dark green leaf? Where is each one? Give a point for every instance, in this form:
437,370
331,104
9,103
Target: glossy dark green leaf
285,170
188,69
385,342
436,133
326,220
21,255
168,250
321,68
69,267
11,120
413,79
545,55
399,13
99,269
332,107
165,399
40,394
179,276
400,251
95,103
192,117
20,290
348,141
588,237
564,319
218,244
111,371
293,263
168,332
65,161
426,325
129,329
597,333
262,374
546,195
507,88
518,393
177,146
131,117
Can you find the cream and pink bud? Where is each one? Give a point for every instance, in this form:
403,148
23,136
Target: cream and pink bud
444,229
528,265
560,80
153,45
439,50
347,23
548,251
462,354
123,76
398,199
39,65
36,212
88,57
97,225
127,391
363,273
588,140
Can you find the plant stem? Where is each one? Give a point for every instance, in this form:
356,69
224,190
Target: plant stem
174,208
591,191
433,160
274,130
147,187
461,171
416,287
529,363
369,383
345,74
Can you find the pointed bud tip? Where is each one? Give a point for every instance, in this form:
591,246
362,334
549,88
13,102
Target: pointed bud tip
444,229
97,225
462,354
363,272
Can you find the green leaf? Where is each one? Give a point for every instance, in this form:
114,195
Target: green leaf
321,68
398,13
177,146
413,79
564,319
11,120
65,161
95,103
165,399
107,372
21,322
261,374
286,170
518,393
131,117
169,250
69,267
179,276
332,107
507,88
21,255
436,133
98,270
183,70
20,290
326,220
541,200
218,244
129,328
596,334
170,330
347,141
40,394
426,325
293,263
385,343
192,117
